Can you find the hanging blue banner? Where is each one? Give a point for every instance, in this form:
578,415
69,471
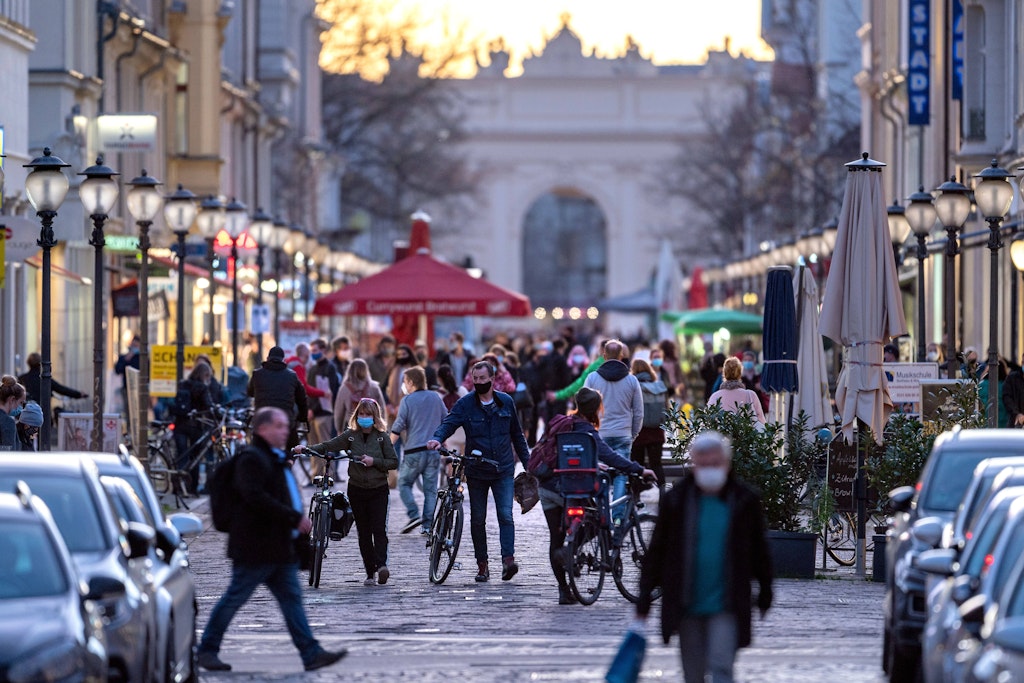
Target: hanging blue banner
956,50
919,62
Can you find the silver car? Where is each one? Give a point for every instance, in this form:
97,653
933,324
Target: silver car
175,587
1001,628
101,547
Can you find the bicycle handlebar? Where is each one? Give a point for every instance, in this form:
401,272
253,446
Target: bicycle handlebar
344,455
450,456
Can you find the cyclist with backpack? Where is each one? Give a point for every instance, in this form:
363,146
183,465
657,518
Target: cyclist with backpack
649,443
587,419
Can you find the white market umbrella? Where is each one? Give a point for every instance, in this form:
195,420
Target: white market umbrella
862,308
812,396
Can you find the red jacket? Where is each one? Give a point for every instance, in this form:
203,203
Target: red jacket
299,368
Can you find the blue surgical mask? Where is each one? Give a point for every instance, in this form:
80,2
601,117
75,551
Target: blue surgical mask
656,362
748,365
16,412
364,422
317,356
501,359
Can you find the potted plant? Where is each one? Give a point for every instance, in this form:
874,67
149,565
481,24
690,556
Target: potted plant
779,465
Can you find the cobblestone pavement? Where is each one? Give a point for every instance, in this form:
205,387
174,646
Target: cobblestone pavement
411,630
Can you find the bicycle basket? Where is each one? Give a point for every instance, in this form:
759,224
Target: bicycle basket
341,522
577,463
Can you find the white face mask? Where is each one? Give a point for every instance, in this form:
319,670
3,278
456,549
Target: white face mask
710,479
932,356
405,389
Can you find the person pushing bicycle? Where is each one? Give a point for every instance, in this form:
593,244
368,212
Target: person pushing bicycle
367,441
492,427
586,419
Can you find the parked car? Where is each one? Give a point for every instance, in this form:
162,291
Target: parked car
930,506
941,655
101,547
175,588
981,489
1001,628
50,624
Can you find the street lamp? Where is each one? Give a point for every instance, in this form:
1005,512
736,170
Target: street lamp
899,229
262,230
179,214
98,193
952,207
309,249
236,220
993,194
210,220
920,214
46,187
144,202
293,248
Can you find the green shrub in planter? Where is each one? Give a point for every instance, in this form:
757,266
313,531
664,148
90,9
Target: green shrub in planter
779,467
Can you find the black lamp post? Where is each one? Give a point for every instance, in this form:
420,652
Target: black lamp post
262,231
210,220
281,235
144,202
46,187
920,214
98,193
952,207
993,194
293,248
179,213
235,222
899,229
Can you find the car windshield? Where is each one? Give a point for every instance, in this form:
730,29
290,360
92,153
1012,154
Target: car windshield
30,565
72,506
984,540
1014,546
950,476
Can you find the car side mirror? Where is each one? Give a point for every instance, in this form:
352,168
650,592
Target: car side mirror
928,531
939,561
186,524
900,498
140,539
104,588
964,588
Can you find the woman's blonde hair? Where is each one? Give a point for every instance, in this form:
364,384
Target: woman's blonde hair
367,406
732,369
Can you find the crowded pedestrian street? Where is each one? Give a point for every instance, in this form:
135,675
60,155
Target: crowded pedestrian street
825,629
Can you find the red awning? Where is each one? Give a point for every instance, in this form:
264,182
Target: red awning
421,284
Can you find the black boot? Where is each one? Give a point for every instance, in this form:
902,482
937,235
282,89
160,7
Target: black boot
565,596
482,574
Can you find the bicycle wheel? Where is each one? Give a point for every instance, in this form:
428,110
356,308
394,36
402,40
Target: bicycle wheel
445,546
589,562
160,471
318,542
839,537
629,560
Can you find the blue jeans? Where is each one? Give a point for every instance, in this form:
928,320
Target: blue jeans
424,466
502,490
622,445
283,583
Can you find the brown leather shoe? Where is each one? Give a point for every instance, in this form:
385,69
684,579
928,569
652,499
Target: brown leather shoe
482,573
509,568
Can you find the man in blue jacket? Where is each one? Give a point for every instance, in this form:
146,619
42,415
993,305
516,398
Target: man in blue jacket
492,427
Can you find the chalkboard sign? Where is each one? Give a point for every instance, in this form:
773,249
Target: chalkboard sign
842,474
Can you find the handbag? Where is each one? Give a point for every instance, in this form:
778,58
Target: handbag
625,667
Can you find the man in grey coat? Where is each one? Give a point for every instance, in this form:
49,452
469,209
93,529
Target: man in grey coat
419,413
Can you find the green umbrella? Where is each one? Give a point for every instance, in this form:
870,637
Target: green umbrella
705,320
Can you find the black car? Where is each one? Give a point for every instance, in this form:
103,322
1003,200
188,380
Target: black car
930,506
51,628
101,547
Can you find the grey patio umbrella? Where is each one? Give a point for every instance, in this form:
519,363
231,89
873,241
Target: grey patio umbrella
862,309
812,397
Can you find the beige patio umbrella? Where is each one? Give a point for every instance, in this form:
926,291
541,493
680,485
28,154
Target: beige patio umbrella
862,308
812,398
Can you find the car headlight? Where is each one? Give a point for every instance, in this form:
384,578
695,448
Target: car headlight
55,661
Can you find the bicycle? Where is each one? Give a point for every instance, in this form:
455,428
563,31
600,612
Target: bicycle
321,514
593,546
839,536
210,447
161,452
446,528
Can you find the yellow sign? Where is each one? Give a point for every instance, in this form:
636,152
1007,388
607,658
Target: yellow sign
163,366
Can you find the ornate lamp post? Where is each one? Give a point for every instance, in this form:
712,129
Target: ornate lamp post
899,229
236,220
920,214
993,194
262,230
179,214
144,202
952,207
210,220
46,187
98,193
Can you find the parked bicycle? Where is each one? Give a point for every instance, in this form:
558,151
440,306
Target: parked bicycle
446,528
327,526
210,448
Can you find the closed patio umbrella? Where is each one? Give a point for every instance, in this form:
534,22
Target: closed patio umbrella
862,308
778,340
812,397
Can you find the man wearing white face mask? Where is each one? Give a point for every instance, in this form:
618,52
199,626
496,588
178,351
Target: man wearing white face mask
707,547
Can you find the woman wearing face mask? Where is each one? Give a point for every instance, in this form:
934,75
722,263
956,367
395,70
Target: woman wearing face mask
577,361
934,353
367,439
502,377
12,400
707,547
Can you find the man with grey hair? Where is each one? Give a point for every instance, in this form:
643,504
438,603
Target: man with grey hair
707,547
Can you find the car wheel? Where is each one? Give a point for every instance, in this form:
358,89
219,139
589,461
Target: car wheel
902,668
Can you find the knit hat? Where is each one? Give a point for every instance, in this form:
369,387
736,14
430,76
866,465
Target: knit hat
588,401
31,415
275,353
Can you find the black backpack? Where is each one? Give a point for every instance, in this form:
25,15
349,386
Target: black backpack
220,485
182,400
